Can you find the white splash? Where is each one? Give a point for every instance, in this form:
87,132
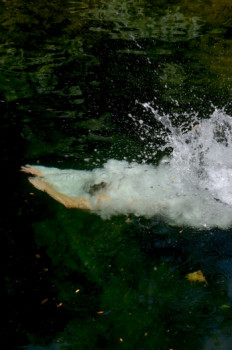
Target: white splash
192,187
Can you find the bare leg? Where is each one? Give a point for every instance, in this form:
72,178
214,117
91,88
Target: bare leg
68,202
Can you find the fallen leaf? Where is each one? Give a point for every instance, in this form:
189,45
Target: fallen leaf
225,306
196,276
44,301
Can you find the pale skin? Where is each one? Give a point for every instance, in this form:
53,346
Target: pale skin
69,202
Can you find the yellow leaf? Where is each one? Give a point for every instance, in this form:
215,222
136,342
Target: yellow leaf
225,306
44,301
196,276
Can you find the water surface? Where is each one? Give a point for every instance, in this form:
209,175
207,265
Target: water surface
79,84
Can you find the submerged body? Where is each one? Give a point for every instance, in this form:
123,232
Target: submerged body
143,190
192,187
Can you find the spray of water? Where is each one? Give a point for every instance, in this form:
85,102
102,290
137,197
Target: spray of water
191,187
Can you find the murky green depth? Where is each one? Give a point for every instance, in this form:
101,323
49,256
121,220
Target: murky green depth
72,72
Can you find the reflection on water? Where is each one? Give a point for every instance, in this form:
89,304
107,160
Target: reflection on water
74,79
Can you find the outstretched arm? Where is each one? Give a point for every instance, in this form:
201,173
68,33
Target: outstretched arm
67,201
42,185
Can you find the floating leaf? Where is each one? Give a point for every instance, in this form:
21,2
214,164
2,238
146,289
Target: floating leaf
225,306
196,276
44,301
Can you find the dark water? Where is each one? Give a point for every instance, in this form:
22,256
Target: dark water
71,74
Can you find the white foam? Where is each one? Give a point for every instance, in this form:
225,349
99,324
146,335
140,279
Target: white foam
192,187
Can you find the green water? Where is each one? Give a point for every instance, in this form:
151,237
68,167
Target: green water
71,72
